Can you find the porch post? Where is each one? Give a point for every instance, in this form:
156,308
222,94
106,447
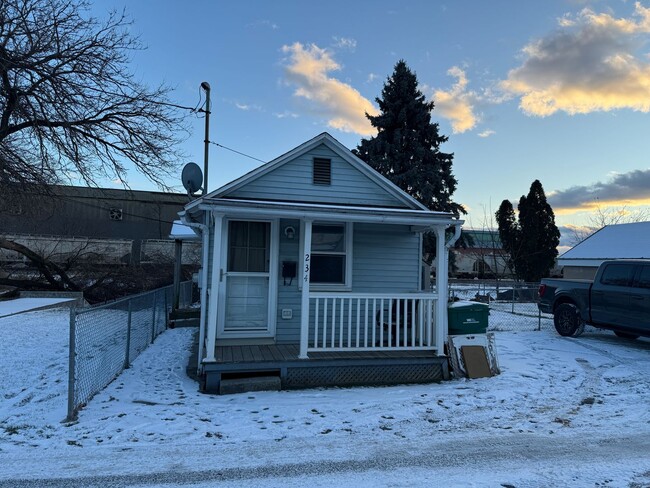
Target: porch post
213,293
441,289
304,306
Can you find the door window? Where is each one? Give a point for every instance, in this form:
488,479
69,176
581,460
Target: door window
617,275
644,277
248,247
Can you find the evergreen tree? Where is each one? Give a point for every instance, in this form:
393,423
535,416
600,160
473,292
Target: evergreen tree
532,241
540,235
509,233
406,148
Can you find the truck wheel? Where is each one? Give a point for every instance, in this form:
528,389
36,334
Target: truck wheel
567,320
625,335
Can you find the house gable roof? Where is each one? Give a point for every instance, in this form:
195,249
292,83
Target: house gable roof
621,241
348,189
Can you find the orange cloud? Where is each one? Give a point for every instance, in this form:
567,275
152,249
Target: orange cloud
591,64
457,104
309,68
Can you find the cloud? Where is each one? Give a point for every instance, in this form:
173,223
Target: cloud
372,77
247,106
457,104
308,68
263,23
345,43
570,235
487,133
623,189
286,114
590,64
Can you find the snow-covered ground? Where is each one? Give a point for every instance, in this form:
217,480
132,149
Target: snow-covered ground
20,305
564,412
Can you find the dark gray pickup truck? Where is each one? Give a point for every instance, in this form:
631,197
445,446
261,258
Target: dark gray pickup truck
617,299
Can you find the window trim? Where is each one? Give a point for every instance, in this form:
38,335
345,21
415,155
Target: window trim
349,235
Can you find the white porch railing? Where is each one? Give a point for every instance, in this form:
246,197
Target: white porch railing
371,322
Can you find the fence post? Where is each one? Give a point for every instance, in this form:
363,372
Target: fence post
71,364
127,359
539,319
514,289
153,318
165,310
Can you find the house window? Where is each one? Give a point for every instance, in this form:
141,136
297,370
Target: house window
331,256
322,174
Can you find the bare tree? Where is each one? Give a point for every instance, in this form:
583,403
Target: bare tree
70,107
603,216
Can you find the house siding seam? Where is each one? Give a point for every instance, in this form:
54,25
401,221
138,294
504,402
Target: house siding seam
292,182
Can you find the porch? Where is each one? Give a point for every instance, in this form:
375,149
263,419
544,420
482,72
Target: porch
282,362
352,339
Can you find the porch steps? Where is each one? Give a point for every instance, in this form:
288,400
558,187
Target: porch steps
184,317
244,385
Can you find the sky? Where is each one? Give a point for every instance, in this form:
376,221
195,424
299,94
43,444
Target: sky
557,90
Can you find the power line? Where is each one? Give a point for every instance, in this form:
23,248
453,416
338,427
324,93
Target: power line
237,152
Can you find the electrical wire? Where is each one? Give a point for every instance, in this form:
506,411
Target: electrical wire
237,152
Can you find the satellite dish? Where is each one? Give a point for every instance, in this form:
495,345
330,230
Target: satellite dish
192,177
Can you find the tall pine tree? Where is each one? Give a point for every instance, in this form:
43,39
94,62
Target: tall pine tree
406,148
509,233
532,241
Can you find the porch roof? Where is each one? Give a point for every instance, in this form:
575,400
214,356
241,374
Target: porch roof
323,212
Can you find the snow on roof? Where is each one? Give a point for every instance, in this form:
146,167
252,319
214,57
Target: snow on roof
182,232
621,241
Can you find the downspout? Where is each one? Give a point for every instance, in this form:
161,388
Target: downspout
452,240
205,235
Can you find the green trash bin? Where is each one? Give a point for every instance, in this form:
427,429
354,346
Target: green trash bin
467,317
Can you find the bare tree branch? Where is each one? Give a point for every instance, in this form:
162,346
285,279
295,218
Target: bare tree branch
69,106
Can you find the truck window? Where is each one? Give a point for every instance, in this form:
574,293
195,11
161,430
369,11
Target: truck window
644,277
617,275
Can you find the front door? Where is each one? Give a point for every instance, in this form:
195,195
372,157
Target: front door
247,291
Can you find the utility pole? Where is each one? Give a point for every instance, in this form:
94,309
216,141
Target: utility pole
206,86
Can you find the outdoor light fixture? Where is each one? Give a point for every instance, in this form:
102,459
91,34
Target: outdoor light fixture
290,232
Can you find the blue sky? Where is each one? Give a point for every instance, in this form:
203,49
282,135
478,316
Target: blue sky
557,90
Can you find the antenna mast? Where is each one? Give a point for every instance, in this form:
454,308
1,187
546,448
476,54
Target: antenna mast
206,86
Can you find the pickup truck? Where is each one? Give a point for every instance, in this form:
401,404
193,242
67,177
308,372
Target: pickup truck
617,299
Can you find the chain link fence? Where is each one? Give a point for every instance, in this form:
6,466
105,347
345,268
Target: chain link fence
104,340
513,305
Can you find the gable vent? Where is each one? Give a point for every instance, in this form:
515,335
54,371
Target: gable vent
322,171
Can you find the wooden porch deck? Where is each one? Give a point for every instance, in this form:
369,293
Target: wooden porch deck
289,352
323,368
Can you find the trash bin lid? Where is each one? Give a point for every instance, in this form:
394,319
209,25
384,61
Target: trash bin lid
468,304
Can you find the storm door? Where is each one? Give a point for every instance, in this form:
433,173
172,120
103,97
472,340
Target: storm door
247,277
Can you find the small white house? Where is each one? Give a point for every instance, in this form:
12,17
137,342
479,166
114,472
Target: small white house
312,273
620,241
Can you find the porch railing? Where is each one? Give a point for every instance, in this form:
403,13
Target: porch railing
370,322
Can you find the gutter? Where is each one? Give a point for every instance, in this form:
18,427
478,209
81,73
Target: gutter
204,228
452,240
